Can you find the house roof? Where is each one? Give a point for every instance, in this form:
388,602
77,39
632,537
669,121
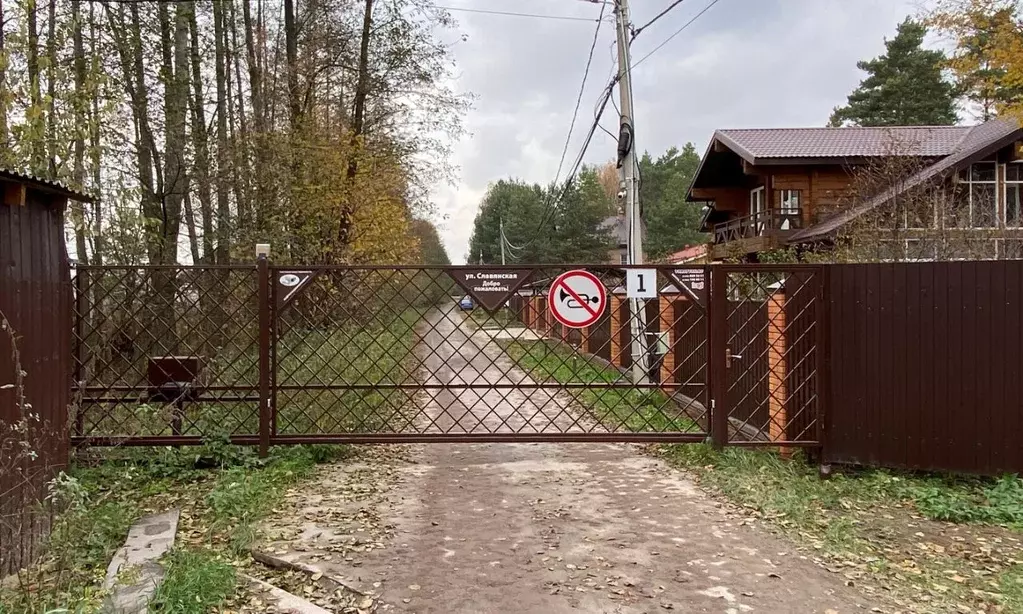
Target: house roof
979,142
44,185
689,253
619,228
760,145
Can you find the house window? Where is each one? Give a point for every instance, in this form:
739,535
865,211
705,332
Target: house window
624,257
1010,249
979,205
756,206
788,212
921,250
1012,207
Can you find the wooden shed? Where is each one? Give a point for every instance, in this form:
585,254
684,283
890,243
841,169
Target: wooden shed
35,357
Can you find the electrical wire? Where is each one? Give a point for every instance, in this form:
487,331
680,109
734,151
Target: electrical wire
582,90
513,14
550,209
677,32
549,204
636,32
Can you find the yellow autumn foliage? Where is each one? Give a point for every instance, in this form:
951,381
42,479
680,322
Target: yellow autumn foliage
987,59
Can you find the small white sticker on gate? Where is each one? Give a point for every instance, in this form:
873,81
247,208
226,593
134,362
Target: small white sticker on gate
641,283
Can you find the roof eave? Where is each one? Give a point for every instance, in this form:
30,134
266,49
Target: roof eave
826,229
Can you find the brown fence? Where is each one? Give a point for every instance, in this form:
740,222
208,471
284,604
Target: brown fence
926,364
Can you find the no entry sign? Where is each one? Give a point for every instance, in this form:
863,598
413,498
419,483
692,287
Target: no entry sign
577,298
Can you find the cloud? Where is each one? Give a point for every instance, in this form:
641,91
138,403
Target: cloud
744,63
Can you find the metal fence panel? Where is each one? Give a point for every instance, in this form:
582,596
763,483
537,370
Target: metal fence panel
926,361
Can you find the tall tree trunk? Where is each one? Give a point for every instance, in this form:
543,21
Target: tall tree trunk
223,250
5,143
36,155
344,235
51,90
201,144
240,149
254,53
81,122
291,52
97,173
134,80
193,242
175,106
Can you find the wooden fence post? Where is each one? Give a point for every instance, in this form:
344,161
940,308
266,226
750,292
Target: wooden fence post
666,317
616,325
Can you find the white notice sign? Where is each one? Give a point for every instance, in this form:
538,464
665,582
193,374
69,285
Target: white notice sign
641,283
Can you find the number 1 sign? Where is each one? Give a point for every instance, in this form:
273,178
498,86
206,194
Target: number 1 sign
641,283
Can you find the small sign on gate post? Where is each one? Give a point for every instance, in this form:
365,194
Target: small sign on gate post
490,288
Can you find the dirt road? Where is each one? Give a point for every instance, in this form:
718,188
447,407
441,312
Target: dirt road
539,528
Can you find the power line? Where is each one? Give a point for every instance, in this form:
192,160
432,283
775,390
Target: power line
549,205
677,32
582,90
513,14
636,32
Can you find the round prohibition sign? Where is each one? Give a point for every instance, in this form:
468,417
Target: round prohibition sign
577,298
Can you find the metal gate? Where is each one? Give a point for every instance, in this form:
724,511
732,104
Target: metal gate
271,355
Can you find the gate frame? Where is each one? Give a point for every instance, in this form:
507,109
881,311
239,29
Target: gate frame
715,313
718,347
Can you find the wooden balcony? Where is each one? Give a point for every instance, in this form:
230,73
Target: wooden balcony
753,233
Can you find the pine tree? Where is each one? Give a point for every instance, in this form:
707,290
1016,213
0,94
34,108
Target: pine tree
904,86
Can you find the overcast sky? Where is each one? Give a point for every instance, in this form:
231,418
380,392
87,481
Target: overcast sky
743,64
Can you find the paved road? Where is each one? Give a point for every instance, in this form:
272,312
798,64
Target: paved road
545,528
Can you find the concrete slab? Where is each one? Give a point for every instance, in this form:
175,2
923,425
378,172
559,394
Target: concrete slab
134,572
284,601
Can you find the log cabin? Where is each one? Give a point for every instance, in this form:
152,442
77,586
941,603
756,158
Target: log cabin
793,187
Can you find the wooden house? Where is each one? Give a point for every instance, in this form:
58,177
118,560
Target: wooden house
771,188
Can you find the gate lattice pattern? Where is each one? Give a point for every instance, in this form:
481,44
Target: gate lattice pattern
176,355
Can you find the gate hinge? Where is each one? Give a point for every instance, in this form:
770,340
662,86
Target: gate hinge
712,404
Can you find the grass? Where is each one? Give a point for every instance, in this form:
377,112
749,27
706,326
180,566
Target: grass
896,527
502,318
637,409
196,582
365,353
220,505
1011,585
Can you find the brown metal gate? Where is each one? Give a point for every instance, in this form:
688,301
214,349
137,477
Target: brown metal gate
768,354
270,355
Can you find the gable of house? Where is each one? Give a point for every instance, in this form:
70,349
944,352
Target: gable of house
772,187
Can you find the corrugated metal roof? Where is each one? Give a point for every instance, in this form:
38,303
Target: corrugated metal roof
47,185
979,141
849,142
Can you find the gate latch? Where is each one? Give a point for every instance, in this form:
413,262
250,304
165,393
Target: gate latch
729,356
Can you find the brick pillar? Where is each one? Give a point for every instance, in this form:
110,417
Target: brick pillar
548,320
584,339
666,324
616,325
777,367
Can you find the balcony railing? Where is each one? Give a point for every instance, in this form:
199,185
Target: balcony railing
764,223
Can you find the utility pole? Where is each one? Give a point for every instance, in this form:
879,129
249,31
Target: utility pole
627,164
501,222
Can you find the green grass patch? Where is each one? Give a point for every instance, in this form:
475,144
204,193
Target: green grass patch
1010,583
370,354
223,491
502,318
862,519
196,582
637,409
